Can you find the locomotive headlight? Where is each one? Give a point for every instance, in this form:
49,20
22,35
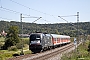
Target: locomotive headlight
38,41
35,42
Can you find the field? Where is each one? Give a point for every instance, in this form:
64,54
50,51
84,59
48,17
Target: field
5,54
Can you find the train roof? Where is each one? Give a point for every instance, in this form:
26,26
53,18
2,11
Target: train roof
54,35
60,36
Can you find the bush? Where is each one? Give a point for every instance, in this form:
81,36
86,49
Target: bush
8,55
2,57
27,52
89,47
0,36
25,45
1,45
26,41
19,45
5,56
12,48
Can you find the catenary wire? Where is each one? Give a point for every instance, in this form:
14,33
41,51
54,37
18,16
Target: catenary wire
6,18
5,9
63,19
16,12
32,9
12,11
68,16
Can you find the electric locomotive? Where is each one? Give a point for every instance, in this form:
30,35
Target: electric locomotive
40,41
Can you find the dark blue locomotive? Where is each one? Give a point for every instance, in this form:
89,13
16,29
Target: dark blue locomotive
41,41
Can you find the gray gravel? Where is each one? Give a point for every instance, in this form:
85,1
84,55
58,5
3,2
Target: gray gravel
57,57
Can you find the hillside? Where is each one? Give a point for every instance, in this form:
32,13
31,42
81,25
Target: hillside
58,28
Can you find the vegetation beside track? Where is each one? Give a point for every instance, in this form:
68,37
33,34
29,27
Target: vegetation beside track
81,53
5,54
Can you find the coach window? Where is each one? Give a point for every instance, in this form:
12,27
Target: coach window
54,38
57,38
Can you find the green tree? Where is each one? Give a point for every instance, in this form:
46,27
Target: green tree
56,31
12,37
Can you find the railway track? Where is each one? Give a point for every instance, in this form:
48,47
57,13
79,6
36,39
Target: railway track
45,55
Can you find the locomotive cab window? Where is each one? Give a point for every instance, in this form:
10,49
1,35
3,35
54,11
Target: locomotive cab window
35,37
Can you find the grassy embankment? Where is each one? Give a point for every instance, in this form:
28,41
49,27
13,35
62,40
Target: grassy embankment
5,54
81,53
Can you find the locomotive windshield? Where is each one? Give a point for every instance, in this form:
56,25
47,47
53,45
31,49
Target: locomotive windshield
35,37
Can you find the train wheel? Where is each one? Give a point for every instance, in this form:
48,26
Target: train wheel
50,47
53,47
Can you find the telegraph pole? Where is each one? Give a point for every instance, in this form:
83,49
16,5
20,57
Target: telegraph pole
21,35
77,31
78,24
22,53
76,41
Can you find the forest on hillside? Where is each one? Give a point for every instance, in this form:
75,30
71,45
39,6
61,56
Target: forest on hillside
57,28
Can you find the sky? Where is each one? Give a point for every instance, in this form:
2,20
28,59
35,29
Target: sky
49,10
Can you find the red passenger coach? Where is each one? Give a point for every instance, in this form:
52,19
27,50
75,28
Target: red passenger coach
60,39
